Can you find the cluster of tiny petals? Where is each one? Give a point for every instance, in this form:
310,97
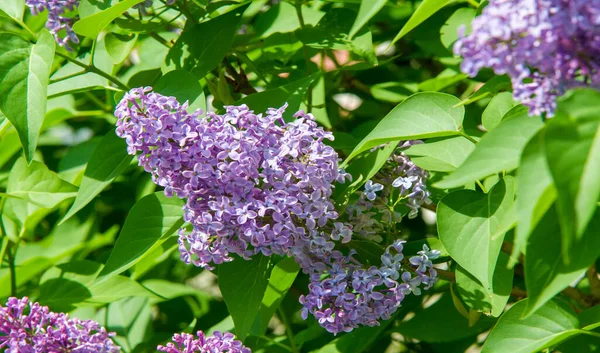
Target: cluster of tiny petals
252,183
256,184
351,295
217,343
399,182
57,21
545,46
27,327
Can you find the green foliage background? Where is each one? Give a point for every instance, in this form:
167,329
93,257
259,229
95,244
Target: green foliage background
84,230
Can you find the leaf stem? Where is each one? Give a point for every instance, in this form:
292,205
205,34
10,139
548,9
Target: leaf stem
298,5
95,70
473,3
590,333
13,273
288,331
481,186
465,135
68,76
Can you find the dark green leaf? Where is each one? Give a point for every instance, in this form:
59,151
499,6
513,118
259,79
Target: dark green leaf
149,223
184,86
470,227
249,277
108,161
422,115
499,150
552,324
24,76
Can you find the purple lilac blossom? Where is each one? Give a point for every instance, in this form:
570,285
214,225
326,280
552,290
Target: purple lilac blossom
545,46
252,183
27,327
399,182
56,20
217,343
352,295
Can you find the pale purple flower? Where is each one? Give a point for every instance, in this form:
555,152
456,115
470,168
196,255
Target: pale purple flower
545,46
27,327
371,188
57,21
217,343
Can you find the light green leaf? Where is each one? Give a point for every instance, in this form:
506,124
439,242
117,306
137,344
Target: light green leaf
498,150
552,324
182,85
291,94
423,12
282,18
535,193
441,155
500,104
422,115
494,85
546,274
368,9
481,299
149,223
470,225
449,31
244,276
282,277
13,8
119,46
108,161
115,288
572,144
446,78
92,25
202,47
38,185
24,76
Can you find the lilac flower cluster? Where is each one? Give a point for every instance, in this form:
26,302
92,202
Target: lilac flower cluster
545,46
218,343
27,327
252,183
56,19
351,295
256,184
399,182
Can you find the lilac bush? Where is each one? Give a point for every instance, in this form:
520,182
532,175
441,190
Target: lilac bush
28,327
58,24
545,46
217,343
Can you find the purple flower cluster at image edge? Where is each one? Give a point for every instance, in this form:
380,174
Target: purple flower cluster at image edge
56,20
27,327
254,183
217,343
545,46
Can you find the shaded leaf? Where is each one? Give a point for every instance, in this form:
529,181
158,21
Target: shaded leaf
425,10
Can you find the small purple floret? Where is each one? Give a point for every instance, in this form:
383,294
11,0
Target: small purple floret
217,343
56,19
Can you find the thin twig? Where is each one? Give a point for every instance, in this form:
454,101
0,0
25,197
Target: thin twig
288,331
95,70
306,56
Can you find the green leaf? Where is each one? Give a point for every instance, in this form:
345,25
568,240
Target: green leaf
423,12
24,76
498,150
449,31
422,115
590,318
441,322
546,274
368,9
291,94
552,324
441,155
149,223
202,47
249,277
481,299
535,193
92,25
119,46
13,8
64,286
445,79
282,18
331,33
116,288
492,86
572,144
282,277
470,227
108,161
182,85
38,185
500,104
